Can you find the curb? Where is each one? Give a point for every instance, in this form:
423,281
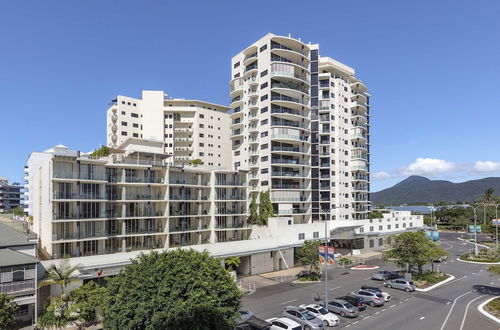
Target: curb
481,310
450,278
478,262
481,245
371,268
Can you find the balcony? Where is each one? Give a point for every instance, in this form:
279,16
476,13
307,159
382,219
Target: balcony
286,186
275,45
288,124
183,130
230,198
288,161
289,174
250,68
290,199
280,97
290,86
15,287
288,149
289,137
175,197
293,211
284,110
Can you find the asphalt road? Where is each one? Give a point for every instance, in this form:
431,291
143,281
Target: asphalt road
451,306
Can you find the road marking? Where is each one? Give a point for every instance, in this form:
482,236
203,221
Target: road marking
407,299
451,309
384,309
355,322
466,308
347,326
452,261
367,317
492,283
473,273
481,270
423,317
392,306
290,301
366,278
401,302
337,287
377,313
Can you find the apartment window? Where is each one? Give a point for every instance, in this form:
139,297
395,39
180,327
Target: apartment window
302,236
404,225
263,48
264,146
388,227
202,144
124,123
202,135
124,133
135,125
134,115
371,228
237,64
263,97
123,102
264,159
264,183
264,122
135,135
316,234
397,225
411,224
134,104
264,170
380,241
123,112
202,125
264,85
362,230
202,154
372,243
202,116
128,103
380,228
264,134
263,73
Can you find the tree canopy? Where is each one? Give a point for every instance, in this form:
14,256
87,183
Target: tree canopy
180,289
414,249
8,309
308,255
103,151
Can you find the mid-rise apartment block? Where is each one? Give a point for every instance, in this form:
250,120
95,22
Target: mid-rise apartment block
300,127
10,195
132,200
190,129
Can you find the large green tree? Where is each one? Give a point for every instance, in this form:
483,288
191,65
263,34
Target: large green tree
308,255
265,207
180,289
8,309
413,249
254,214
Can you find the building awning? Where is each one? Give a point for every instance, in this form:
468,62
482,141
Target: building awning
347,232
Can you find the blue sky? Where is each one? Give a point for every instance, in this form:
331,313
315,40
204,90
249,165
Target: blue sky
432,68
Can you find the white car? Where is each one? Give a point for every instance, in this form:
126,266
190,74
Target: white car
283,323
329,319
387,297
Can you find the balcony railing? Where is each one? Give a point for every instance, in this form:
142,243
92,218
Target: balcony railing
275,45
14,287
290,74
288,111
290,149
251,67
279,97
290,86
289,137
288,161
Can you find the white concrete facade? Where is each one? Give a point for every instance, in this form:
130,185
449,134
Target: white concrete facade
300,126
190,129
131,200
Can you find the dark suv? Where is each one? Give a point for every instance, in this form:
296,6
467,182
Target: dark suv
358,302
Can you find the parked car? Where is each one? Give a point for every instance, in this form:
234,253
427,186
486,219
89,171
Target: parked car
329,319
283,323
254,323
387,296
385,275
303,317
401,284
372,298
357,302
245,315
342,307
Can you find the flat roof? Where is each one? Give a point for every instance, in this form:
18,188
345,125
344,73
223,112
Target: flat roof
11,237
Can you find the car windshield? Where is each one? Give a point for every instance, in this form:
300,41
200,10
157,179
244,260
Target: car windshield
411,283
323,311
308,316
379,295
348,305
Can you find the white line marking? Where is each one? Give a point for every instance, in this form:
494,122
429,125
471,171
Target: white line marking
466,308
452,261
366,278
355,322
407,299
451,309
337,287
384,309
377,313
367,317
392,306
347,326
423,317
481,270
401,302
492,283
290,301
473,273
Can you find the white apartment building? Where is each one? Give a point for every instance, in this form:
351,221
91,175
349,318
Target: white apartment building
300,126
190,129
132,200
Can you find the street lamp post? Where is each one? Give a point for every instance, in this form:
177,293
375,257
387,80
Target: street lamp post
325,212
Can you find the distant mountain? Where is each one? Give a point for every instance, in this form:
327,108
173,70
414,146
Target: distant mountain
417,189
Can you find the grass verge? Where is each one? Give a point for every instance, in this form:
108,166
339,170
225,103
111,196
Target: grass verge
427,278
493,307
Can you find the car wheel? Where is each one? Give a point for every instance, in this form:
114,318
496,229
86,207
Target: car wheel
389,286
325,323
342,314
372,304
407,290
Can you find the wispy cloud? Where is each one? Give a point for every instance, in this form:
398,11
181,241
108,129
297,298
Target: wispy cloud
432,167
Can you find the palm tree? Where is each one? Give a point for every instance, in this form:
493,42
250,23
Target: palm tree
487,198
61,274
232,263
